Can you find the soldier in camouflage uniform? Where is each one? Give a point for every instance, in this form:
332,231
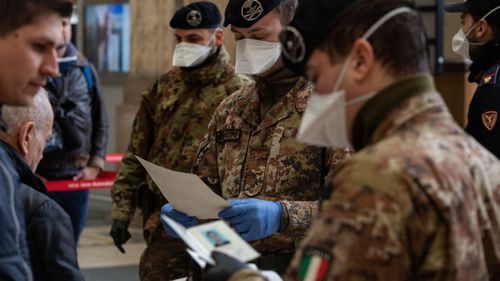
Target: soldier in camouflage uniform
172,120
420,200
250,151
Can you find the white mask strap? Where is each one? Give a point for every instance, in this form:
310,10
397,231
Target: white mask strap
384,19
367,35
483,18
490,12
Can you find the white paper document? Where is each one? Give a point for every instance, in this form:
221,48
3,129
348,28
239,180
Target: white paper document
186,192
205,238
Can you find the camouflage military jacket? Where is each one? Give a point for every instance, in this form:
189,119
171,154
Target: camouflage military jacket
420,201
172,120
246,156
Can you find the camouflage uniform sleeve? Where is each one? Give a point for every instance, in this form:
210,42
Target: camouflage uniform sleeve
131,174
205,164
363,231
298,215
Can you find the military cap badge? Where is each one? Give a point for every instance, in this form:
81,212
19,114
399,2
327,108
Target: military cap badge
251,10
194,18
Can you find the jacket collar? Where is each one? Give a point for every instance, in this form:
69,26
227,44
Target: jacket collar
26,175
394,107
3,125
215,70
293,101
489,56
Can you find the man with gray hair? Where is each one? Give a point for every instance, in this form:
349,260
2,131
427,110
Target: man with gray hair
29,32
48,228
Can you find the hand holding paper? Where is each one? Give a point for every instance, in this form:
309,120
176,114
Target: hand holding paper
253,219
204,238
181,218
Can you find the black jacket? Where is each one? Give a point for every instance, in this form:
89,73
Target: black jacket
50,238
14,253
80,117
484,111
48,228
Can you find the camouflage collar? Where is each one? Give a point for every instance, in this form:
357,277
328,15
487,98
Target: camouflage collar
215,72
391,108
294,101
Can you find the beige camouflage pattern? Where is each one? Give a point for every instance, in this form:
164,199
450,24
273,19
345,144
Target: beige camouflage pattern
246,157
172,120
420,202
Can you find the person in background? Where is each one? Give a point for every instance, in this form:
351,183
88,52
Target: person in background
49,232
77,147
479,40
168,128
29,33
420,199
250,154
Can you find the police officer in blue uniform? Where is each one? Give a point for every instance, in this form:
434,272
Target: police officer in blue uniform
479,41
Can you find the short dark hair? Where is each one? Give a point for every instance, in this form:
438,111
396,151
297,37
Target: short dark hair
286,9
493,21
400,44
17,13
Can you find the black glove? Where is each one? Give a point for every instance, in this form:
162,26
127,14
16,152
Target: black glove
225,266
120,234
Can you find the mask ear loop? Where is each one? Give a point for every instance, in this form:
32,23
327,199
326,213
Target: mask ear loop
474,26
367,35
212,39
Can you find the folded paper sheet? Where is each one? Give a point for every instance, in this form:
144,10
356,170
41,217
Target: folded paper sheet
186,192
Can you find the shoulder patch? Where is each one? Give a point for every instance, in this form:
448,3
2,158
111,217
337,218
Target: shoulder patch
490,119
490,77
315,264
223,136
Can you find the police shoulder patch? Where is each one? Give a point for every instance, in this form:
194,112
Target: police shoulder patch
490,119
490,77
315,264
223,136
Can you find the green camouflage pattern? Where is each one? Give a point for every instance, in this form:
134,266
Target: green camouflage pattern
420,202
172,119
164,258
246,156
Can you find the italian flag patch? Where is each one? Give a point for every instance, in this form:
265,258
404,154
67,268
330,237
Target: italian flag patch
315,264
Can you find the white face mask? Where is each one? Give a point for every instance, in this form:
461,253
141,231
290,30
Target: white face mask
256,56
191,55
324,120
461,45
331,110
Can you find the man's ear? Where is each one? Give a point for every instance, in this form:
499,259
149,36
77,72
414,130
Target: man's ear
26,135
363,59
483,31
219,37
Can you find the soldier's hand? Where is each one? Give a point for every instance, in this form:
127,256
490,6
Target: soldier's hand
177,216
225,266
120,234
253,219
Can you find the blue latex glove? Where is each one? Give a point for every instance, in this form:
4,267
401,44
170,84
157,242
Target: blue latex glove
177,216
253,219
